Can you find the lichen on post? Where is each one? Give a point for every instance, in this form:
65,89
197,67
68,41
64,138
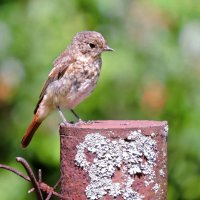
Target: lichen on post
114,160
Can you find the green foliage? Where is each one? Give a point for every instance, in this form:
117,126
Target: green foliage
153,74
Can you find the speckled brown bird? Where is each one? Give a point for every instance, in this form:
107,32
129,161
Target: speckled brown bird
73,77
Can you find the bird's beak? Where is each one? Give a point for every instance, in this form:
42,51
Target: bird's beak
107,48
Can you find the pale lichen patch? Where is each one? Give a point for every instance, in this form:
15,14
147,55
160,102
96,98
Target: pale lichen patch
165,132
126,155
162,173
156,187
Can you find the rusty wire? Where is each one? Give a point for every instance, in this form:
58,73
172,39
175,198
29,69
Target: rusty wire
38,186
31,176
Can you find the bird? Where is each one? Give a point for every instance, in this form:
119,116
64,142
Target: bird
73,77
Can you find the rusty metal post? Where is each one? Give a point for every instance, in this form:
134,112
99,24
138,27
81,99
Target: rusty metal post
120,160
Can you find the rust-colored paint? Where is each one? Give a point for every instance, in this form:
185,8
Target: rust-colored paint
128,169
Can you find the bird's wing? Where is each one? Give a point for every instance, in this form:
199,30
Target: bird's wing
60,66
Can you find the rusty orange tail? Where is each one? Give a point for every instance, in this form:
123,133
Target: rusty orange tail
30,132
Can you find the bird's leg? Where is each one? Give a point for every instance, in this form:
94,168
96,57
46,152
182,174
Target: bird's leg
62,115
76,115
80,121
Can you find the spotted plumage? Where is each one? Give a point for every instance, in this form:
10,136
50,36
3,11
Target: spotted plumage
73,77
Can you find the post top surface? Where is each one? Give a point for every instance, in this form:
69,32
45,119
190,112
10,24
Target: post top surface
117,124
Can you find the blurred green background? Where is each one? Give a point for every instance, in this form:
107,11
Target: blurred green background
153,74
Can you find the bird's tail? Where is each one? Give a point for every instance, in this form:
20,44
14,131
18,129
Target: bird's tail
30,132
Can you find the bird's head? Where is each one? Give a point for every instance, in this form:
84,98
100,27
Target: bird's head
90,43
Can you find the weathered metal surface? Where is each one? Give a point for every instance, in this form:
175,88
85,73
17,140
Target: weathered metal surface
120,160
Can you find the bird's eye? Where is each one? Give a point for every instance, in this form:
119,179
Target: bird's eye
92,45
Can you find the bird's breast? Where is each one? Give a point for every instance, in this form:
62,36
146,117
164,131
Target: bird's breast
76,84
